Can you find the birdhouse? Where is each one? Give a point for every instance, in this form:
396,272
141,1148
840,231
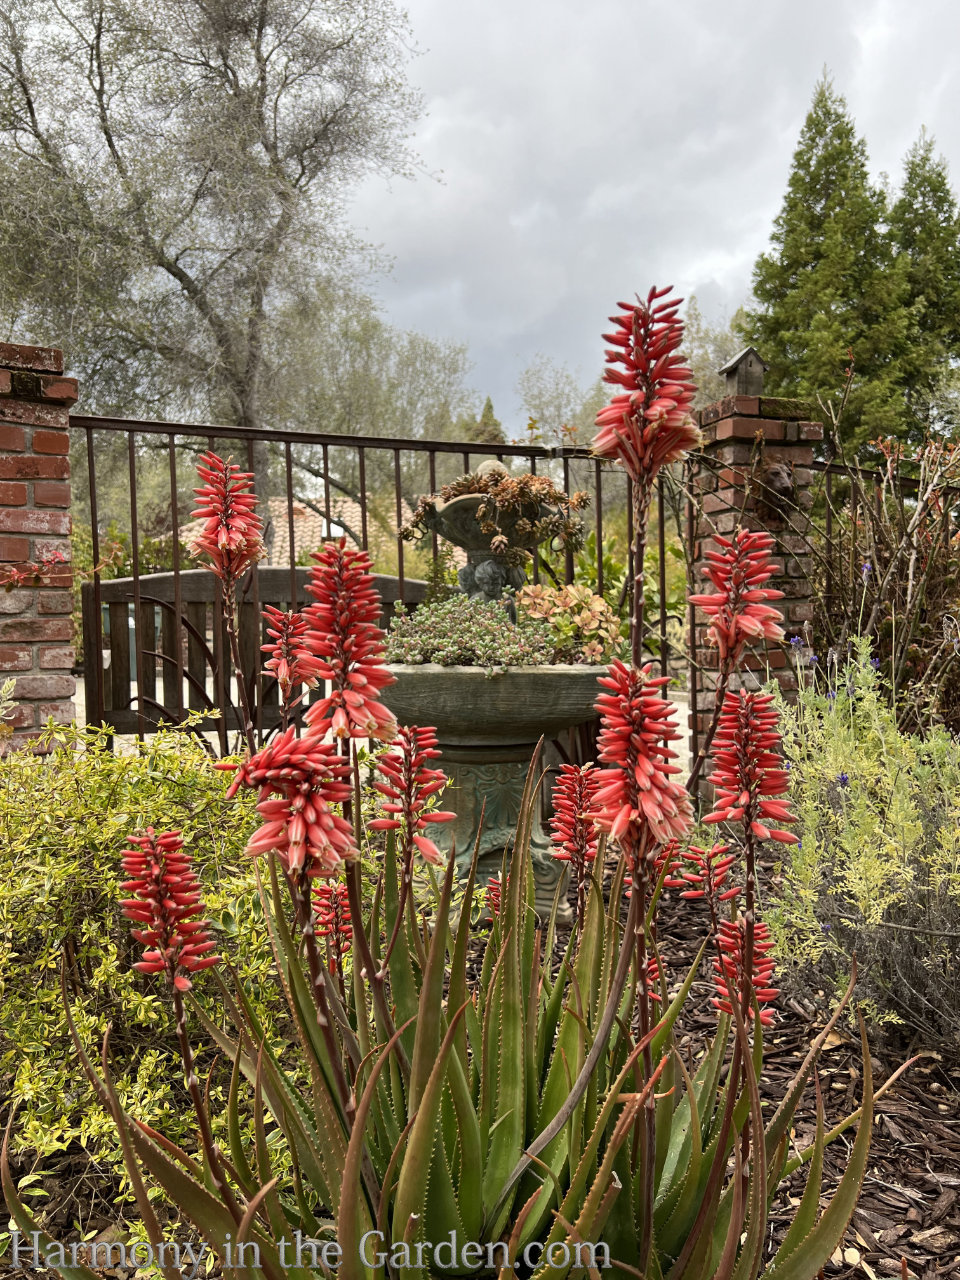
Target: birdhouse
744,373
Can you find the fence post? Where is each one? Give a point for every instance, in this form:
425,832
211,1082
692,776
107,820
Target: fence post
754,472
36,632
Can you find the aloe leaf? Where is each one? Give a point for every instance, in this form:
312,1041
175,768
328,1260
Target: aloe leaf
675,1213
664,1027
429,1010
208,1214
107,1093
508,1114
404,988
412,1187
352,1221
457,993
267,1194
807,1257
321,1160
751,1248
237,1152
782,1118
806,1214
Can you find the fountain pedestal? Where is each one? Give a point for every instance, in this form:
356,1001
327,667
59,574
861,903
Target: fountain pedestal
488,726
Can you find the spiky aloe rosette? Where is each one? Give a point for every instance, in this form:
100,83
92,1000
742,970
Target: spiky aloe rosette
535,1107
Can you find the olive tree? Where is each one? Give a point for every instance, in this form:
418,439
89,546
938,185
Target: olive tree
173,175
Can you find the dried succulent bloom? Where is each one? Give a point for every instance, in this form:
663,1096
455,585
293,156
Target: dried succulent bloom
168,906
291,660
729,974
299,780
407,785
737,609
748,770
231,536
573,827
649,424
637,791
344,636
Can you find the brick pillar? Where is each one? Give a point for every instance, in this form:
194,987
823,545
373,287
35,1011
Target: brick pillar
36,633
757,454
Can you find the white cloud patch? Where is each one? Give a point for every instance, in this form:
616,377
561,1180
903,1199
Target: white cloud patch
590,150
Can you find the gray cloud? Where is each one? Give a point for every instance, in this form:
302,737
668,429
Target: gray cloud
589,149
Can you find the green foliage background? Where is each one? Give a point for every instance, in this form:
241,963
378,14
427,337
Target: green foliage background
64,821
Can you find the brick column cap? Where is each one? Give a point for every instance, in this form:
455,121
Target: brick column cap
14,355
757,407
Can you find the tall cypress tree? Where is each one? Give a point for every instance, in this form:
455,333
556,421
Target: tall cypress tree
925,228
831,281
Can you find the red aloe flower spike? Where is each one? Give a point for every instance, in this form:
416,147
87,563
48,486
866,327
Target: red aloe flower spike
231,533
344,636
737,609
494,894
573,826
637,792
168,907
291,660
705,873
649,424
299,780
730,974
407,785
748,772
738,613
333,922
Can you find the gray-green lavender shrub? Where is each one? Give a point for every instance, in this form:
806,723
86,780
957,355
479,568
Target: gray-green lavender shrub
877,872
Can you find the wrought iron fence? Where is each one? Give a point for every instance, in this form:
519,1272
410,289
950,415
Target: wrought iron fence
167,653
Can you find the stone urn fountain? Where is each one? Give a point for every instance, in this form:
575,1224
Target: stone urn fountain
489,722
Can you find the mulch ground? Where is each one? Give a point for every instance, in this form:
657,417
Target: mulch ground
909,1208
908,1218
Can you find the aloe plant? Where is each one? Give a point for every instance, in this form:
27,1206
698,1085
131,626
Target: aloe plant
536,1116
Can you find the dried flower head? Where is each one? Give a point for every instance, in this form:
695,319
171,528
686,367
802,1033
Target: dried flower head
168,906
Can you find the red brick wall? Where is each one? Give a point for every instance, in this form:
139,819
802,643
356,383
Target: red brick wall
35,627
745,438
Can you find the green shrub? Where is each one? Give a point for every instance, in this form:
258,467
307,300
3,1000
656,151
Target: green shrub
64,821
878,868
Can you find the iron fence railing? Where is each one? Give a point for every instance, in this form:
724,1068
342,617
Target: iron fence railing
365,486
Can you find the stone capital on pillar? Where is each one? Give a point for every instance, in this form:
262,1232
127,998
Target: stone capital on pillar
36,632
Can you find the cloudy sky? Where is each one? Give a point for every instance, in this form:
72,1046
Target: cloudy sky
589,148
